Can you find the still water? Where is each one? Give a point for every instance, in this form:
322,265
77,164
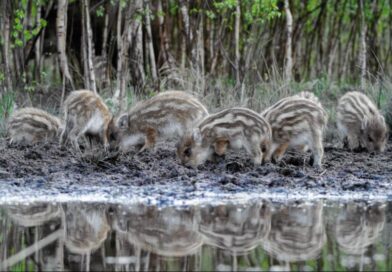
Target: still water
256,236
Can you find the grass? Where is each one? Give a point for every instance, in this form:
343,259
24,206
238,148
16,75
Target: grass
220,93
6,108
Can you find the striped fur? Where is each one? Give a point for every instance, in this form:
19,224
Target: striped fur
297,123
163,116
86,227
32,125
236,230
359,121
359,226
233,128
297,232
166,231
309,95
86,115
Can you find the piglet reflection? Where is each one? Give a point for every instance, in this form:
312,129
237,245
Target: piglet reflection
86,227
166,232
297,232
33,215
358,226
238,229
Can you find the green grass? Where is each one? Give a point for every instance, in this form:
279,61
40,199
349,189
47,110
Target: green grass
6,108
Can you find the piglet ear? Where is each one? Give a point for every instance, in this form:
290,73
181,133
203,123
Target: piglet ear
196,135
122,121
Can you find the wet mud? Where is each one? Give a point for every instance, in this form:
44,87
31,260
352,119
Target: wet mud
47,170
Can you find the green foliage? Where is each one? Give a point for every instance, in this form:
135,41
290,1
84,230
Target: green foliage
259,11
20,33
225,5
6,108
6,105
253,11
100,12
173,7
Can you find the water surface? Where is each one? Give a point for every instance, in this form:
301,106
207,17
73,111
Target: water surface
259,235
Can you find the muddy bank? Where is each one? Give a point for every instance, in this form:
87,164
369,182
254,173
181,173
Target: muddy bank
47,172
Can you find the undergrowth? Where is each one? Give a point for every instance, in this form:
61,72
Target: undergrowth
220,93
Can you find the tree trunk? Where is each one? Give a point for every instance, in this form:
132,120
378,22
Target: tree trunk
105,33
83,48
120,90
61,27
185,21
5,5
38,49
90,47
151,52
362,53
165,58
200,53
289,29
237,43
136,38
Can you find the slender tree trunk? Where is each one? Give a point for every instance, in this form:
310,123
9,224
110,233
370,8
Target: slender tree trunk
237,42
200,53
183,46
83,48
165,58
289,55
61,27
335,35
362,53
151,52
38,49
217,43
90,47
6,12
120,90
105,33
186,23
136,59
210,42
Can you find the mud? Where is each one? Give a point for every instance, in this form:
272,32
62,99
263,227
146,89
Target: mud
47,172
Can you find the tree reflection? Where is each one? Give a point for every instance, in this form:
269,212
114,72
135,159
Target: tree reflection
258,235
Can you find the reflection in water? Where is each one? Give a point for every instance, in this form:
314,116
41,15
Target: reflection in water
259,235
297,232
358,227
167,231
237,229
86,227
33,215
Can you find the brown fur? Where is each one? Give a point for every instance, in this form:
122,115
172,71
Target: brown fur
297,123
360,122
86,115
32,125
220,146
164,116
233,128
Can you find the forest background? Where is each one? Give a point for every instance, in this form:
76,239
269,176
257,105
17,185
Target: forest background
227,52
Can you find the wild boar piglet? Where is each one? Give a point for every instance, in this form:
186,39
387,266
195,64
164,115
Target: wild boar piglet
297,123
360,123
165,116
233,128
31,125
87,116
